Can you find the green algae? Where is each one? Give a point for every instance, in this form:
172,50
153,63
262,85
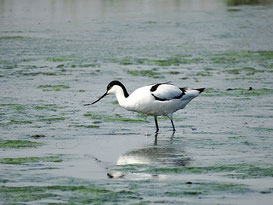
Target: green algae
166,62
236,137
15,195
52,107
252,171
176,61
18,144
16,107
246,70
36,73
85,126
265,54
53,87
51,119
263,129
15,122
171,61
203,73
234,58
40,107
225,59
237,92
27,160
233,10
247,92
208,188
114,118
173,72
146,73
234,171
61,58
151,22
73,194
92,65
11,37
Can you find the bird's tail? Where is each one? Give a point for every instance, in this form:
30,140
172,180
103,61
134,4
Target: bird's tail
201,90
192,93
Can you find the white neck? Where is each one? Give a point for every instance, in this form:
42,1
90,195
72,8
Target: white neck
120,97
118,91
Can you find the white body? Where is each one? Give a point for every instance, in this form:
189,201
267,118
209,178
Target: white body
157,99
142,100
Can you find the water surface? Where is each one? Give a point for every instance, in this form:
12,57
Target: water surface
57,55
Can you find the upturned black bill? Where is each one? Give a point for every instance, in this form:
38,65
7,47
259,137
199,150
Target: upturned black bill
96,100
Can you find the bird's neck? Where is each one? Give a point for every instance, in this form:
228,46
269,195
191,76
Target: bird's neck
122,95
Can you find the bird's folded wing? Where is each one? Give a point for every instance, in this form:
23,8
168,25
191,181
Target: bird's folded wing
165,92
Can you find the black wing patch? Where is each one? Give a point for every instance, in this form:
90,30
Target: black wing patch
154,87
164,99
179,96
159,99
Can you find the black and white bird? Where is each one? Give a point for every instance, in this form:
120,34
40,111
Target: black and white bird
161,99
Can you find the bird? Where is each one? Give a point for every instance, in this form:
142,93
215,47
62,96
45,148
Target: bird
160,99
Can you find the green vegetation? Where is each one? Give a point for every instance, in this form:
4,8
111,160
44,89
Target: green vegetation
85,126
10,37
208,188
16,107
37,73
65,194
52,107
247,92
115,118
51,119
61,58
232,58
235,171
247,70
172,61
174,72
15,122
238,92
18,144
147,73
93,65
24,160
151,22
53,87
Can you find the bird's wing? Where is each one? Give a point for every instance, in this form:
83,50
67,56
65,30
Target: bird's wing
163,92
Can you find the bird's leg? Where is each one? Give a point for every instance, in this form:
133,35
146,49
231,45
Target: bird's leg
170,116
155,142
173,125
156,124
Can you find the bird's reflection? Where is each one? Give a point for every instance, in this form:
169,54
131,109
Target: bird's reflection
162,151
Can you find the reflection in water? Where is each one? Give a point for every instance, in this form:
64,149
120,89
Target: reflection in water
247,2
72,11
163,151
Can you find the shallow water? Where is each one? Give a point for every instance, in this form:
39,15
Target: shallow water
57,55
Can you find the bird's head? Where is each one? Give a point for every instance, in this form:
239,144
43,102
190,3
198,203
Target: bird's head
112,88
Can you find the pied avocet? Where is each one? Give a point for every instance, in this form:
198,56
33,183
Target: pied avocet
155,100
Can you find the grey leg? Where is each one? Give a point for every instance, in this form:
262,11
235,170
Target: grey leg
156,125
170,116
173,125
